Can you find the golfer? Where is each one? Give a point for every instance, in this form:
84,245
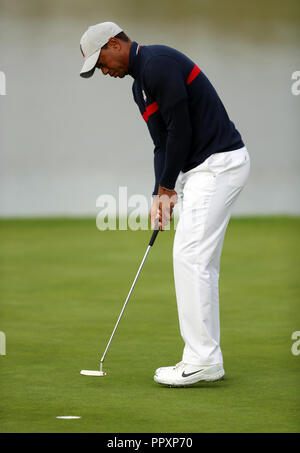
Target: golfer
198,147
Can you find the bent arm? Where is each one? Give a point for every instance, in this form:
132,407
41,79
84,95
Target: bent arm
165,81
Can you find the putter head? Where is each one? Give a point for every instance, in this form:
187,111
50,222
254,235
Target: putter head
92,373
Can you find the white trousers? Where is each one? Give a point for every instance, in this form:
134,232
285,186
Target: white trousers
206,195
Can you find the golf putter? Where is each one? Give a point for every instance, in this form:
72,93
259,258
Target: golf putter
101,372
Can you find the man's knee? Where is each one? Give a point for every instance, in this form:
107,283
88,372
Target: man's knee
185,255
205,261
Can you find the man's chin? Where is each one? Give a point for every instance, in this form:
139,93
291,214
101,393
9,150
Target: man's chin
119,75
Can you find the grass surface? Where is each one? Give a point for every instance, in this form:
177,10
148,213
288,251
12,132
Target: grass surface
63,284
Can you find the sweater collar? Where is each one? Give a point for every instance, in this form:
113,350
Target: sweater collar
134,60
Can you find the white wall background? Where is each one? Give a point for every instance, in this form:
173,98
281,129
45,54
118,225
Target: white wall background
65,140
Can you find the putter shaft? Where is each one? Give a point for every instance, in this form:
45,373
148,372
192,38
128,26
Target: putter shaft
153,237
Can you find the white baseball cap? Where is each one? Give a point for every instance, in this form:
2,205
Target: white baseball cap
91,42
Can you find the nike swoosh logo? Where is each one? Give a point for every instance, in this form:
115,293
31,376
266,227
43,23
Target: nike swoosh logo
190,374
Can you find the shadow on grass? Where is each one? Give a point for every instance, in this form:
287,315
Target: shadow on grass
221,384
104,384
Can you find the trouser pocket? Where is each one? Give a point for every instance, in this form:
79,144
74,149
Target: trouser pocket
239,170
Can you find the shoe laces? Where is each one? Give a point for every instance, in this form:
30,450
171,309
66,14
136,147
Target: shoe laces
178,365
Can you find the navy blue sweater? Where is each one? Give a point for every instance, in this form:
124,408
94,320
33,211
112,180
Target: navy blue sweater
184,114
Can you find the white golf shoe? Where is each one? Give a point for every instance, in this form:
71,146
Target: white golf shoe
183,374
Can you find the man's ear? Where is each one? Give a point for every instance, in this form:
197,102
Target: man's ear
114,43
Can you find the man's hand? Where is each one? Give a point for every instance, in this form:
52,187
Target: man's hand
162,207
154,213
166,199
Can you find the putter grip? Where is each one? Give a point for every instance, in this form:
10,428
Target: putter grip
154,234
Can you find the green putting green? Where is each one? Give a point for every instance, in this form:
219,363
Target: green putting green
63,284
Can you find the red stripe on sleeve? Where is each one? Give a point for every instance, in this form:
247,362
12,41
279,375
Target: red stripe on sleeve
152,108
193,74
